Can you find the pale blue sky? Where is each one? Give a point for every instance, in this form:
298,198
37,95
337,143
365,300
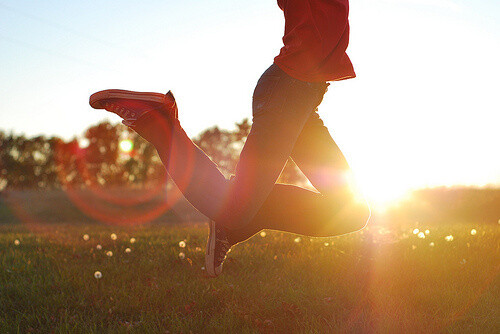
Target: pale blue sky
424,110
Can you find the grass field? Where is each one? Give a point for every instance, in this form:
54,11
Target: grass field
378,281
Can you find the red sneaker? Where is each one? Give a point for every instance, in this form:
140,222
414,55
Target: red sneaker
132,105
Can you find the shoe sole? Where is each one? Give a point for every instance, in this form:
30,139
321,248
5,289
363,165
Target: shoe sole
98,99
209,254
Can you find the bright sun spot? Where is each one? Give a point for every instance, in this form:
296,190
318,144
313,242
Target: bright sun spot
126,145
382,191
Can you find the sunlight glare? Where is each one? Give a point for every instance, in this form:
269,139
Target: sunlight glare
381,192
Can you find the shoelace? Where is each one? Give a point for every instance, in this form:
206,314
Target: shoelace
225,246
121,111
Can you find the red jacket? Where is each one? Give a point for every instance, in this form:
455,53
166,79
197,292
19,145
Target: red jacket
315,40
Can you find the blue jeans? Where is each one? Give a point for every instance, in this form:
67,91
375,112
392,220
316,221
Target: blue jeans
285,125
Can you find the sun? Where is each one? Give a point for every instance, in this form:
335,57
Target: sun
381,192
126,145
383,196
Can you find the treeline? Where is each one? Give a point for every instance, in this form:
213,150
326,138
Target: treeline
444,205
98,159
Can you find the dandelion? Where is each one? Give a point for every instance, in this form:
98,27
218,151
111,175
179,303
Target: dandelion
473,231
182,255
421,235
297,240
17,242
109,253
202,268
448,238
113,236
98,275
182,244
132,240
326,244
127,250
415,231
263,234
86,237
431,244
427,232
98,247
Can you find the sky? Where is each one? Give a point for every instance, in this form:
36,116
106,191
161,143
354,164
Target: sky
423,111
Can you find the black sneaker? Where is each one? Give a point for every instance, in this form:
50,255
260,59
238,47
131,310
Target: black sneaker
217,248
131,105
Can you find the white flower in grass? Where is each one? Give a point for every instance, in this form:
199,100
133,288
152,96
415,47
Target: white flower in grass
182,244
415,231
132,240
17,242
98,275
98,247
421,235
109,253
326,243
127,250
297,240
86,237
427,232
448,238
431,244
113,236
263,234
473,231
182,255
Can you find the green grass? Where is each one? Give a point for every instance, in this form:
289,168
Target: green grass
372,282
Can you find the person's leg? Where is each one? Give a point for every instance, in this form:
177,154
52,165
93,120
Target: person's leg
334,211
281,107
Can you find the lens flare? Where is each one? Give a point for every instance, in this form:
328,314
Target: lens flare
126,145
